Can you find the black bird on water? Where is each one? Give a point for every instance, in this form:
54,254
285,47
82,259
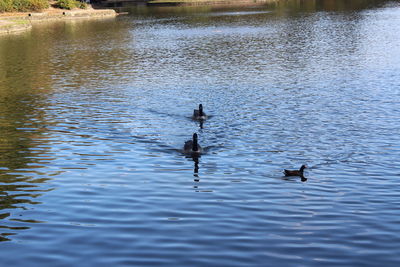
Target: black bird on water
198,114
192,146
299,172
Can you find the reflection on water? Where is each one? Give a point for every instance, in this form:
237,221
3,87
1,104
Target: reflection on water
93,116
24,155
28,69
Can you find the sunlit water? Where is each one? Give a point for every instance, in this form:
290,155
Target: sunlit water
93,115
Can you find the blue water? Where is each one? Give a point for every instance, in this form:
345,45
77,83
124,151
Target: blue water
94,114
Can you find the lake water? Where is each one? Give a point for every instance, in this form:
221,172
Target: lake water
93,115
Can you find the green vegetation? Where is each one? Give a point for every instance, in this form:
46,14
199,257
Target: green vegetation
70,4
23,5
37,5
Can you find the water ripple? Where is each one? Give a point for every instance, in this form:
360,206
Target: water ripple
92,130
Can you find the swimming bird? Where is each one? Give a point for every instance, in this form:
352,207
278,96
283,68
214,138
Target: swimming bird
198,114
295,172
192,146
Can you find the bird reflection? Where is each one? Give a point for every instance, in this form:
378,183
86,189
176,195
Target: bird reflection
196,168
196,171
303,179
196,160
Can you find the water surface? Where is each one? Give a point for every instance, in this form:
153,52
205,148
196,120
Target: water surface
93,115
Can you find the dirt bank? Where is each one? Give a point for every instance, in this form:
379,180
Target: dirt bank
17,22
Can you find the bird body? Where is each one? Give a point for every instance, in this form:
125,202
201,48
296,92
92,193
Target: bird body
299,172
198,114
192,146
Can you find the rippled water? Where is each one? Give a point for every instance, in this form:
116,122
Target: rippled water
93,115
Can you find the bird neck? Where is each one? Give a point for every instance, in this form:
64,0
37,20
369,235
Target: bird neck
195,146
201,110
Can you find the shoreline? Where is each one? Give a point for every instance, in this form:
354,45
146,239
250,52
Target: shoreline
22,21
207,2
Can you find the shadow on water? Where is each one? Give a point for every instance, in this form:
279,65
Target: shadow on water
282,8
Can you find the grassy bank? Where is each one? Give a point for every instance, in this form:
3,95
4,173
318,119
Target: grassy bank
38,5
11,22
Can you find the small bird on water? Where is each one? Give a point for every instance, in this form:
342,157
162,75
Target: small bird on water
198,114
299,172
192,146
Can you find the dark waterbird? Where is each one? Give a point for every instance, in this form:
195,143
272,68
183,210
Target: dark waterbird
192,146
198,114
299,172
